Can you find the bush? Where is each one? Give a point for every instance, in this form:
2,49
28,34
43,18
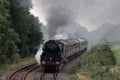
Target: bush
72,77
92,63
3,59
101,55
15,58
74,69
104,54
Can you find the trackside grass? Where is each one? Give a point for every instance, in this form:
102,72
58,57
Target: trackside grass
7,67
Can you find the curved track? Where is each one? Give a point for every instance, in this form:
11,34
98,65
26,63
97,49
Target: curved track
21,74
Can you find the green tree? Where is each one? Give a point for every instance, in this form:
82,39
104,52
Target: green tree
20,33
27,26
8,36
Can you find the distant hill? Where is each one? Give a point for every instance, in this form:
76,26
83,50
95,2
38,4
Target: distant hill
113,35
98,35
115,42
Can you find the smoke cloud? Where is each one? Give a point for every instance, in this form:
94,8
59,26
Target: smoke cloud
57,14
89,13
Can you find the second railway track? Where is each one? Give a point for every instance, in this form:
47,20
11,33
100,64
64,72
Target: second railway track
21,74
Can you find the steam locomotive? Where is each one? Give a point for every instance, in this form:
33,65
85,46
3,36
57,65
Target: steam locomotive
58,52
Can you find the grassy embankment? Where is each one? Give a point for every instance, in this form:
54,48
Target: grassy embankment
101,63
7,67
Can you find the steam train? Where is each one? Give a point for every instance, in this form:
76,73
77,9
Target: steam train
58,52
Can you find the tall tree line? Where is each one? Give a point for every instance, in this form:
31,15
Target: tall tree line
20,34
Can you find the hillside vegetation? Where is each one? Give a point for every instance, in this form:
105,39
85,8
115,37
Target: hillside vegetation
98,64
116,50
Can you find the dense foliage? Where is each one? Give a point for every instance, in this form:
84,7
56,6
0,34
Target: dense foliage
116,50
98,64
20,34
99,55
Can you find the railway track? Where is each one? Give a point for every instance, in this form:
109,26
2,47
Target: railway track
21,74
33,72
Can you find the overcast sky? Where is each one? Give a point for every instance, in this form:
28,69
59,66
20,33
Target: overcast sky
88,13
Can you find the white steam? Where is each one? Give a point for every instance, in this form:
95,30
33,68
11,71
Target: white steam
61,36
38,54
